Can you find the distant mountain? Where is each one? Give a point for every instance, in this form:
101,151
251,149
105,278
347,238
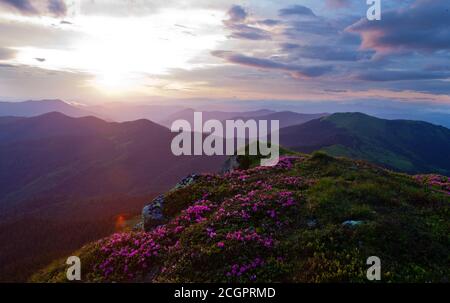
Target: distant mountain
121,112
188,115
410,146
36,108
286,118
77,174
85,157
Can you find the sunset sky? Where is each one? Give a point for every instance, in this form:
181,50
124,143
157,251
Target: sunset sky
307,50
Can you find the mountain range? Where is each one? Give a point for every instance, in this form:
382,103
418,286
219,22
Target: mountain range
403,145
37,108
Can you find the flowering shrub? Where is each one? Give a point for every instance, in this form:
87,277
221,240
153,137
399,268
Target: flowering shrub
237,270
437,182
126,255
284,223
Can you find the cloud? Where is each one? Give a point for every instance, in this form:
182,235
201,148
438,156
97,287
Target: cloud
296,10
324,52
17,34
7,65
317,26
384,76
338,3
331,90
243,31
35,83
241,27
7,53
57,8
237,13
296,71
23,6
269,22
424,26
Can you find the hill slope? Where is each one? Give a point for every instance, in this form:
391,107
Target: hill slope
309,219
84,157
64,181
409,146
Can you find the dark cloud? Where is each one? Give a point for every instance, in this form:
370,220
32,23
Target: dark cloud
240,26
330,90
437,68
243,31
269,22
338,3
40,59
297,29
289,46
24,6
57,8
296,71
237,13
324,52
384,76
7,53
424,26
296,10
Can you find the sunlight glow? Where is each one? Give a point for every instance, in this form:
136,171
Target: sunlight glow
122,53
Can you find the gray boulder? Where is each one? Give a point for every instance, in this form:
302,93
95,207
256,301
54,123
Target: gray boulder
186,181
152,213
230,165
352,223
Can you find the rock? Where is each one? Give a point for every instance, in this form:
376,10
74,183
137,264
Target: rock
186,181
351,223
152,213
139,226
311,223
230,164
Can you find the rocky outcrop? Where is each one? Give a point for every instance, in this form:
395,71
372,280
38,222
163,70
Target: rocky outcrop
152,213
186,181
231,164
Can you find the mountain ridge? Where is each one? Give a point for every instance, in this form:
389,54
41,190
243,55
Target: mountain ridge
405,145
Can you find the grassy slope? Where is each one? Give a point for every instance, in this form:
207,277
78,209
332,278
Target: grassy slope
408,146
400,144
284,224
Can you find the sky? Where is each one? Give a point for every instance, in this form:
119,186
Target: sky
92,51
